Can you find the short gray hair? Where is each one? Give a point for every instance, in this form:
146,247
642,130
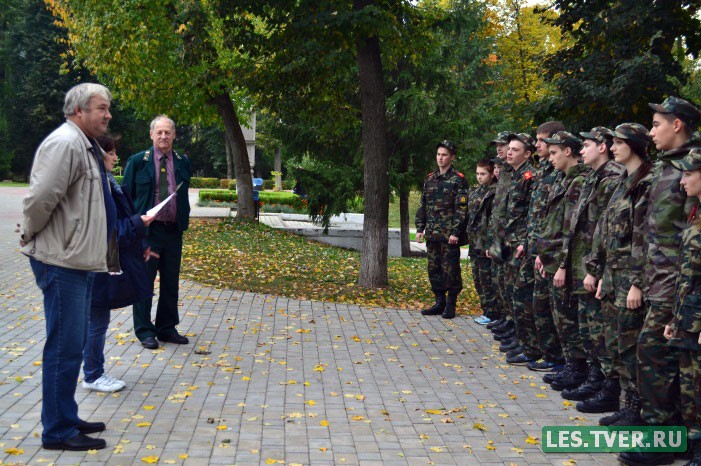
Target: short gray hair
161,117
80,95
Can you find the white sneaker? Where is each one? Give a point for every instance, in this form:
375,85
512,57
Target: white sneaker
104,384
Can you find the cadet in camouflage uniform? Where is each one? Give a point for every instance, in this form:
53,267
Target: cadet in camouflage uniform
596,192
554,257
504,327
479,210
618,258
673,131
546,177
684,332
441,219
518,198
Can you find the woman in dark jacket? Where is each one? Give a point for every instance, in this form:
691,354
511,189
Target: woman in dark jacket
113,291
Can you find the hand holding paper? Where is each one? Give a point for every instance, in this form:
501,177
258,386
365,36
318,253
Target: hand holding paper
154,211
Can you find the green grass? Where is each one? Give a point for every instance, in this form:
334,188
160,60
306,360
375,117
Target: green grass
13,184
250,256
414,198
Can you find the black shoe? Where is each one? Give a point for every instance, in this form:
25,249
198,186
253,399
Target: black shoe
174,338
637,458
449,310
576,377
504,336
78,443
438,307
588,388
630,415
150,343
520,360
607,399
514,352
85,427
508,345
543,365
506,326
607,420
495,323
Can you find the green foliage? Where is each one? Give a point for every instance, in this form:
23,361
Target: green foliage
266,197
622,57
204,183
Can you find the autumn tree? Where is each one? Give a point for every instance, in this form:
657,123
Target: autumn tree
623,55
180,58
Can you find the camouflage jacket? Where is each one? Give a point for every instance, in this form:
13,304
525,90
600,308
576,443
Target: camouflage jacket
546,178
666,219
516,205
479,209
619,247
443,206
496,222
552,245
597,189
687,308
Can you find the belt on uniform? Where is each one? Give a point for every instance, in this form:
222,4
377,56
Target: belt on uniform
169,225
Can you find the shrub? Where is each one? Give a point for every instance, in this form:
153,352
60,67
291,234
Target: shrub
268,185
232,184
204,183
119,178
288,185
224,183
266,197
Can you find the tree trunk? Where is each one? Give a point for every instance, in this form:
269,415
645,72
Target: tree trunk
373,259
404,222
229,148
244,182
277,166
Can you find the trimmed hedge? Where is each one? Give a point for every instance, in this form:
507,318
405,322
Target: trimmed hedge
266,197
204,183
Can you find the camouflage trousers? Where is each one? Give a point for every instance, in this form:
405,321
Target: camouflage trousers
690,382
482,277
564,306
499,282
444,267
609,358
523,308
658,367
510,275
591,326
548,340
630,321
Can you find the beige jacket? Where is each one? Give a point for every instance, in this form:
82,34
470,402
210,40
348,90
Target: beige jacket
64,212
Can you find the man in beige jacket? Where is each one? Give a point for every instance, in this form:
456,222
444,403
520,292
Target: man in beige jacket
68,234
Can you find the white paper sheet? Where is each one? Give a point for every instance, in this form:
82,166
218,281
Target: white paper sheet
154,210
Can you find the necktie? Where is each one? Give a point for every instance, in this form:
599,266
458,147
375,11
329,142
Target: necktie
163,180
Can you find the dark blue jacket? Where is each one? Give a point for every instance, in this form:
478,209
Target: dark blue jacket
134,283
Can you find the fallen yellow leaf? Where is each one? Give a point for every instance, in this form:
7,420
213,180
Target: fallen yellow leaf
532,440
479,426
143,424
150,459
14,451
324,423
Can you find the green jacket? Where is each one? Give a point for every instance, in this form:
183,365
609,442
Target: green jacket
666,219
687,306
443,206
479,214
553,244
139,181
546,178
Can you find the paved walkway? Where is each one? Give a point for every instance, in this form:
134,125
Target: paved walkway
272,380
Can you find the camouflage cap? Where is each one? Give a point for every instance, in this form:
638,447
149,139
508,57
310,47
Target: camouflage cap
691,161
564,138
680,108
502,138
450,145
600,134
525,138
637,136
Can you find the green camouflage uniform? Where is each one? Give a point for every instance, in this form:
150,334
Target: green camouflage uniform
666,219
553,250
597,189
548,341
442,213
617,257
496,235
515,227
479,214
687,325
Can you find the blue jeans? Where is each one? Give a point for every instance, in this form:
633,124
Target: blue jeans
94,351
67,294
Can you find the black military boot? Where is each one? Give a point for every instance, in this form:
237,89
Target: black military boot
636,458
495,323
508,345
506,326
631,413
576,376
436,309
696,453
589,388
511,334
449,311
607,399
550,376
